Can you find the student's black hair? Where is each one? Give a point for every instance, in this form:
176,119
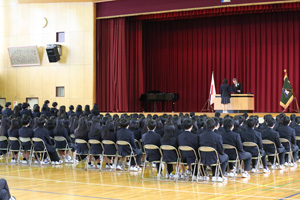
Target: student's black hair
270,122
25,120
46,102
169,132
250,122
210,124
24,105
228,123
95,129
217,121
217,114
292,117
133,124
50,124
285,120
87,110
187,123
41,121
124,123
297,120
36,108
71,107
79,108
82,128
7,104
151,124
15,124
95,110
225,81
54,104
16,111
62,112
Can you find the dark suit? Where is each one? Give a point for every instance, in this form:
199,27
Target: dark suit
188,139
7,111
297,132
234,139
26,112
26,132
250,135
270,134
153,138
36,114
237,87
128,136
43,134
289,133
214,140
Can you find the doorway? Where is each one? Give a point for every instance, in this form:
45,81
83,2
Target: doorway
31,101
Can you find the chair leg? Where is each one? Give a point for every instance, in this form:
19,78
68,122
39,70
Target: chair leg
144,170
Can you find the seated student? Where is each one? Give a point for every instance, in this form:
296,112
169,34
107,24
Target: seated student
13,131
109,133
234,139
7,111
270,134
250,135
78,111
26,132
95,134
95,111
43,134
45,110
71,111
87,110
81,132
211,139
4,191
36,111
293,120
216,130
134,127
3,132
221,127
187,138
151,137
126,135
53,111
169,138
60,130
285,131
25,110
296,126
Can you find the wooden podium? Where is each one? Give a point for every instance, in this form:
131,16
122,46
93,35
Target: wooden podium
238,103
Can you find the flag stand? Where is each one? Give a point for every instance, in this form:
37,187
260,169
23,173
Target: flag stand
297,106
208,108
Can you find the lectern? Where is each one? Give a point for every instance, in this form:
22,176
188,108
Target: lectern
238,103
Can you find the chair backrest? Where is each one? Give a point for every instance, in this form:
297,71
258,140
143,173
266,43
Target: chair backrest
37,140
59,138
231,147
13,139
3,138
124,143
269,142
169,148
23,139
187,148
297,137
207,149
93,141
72,136
80,141
250,144
108,142
151,146
283,140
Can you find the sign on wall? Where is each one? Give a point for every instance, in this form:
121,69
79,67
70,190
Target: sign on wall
24,56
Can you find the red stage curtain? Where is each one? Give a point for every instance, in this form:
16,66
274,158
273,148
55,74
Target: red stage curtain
119,65
180,55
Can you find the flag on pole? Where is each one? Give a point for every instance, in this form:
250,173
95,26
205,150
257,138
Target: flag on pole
287,95
212,92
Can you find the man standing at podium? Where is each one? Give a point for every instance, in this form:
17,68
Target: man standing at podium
236,87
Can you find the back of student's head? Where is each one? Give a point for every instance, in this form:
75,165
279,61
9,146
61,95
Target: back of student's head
41,121
25,120
217,121
225,81
210,124
293,117
151,124
124,123
228,124
169,132
187,123
297,120
133,124
270,122
217,114
15,124
285,120
250,122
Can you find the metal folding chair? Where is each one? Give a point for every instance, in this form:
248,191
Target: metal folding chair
290,152
6,149
43,152
26,140
153,147
195,163
105,144
237,161
131,155
18,151
217,164
176,163
96,142
81,141
61,139
258,157
275,154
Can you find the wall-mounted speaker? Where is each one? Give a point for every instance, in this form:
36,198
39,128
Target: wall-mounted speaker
53,52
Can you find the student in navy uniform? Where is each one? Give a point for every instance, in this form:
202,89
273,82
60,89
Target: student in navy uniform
285,131
216,130
13,131
225,95
43,134
236,87
270,134
151,137
187,138
78,111
26,132
169,138
45,110
4,191
234,139
62,112
95,111
211,139
293,120
87,110
250,135
7,111
95,134
126,135
25,110
134,127
71,111
297,132
60,130
109,133
54,110
36,111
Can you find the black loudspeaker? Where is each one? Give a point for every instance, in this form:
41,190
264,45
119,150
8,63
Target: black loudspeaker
53,53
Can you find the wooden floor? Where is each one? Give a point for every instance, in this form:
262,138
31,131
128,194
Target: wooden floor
65,183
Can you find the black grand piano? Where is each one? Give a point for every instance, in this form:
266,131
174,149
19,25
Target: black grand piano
157,96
